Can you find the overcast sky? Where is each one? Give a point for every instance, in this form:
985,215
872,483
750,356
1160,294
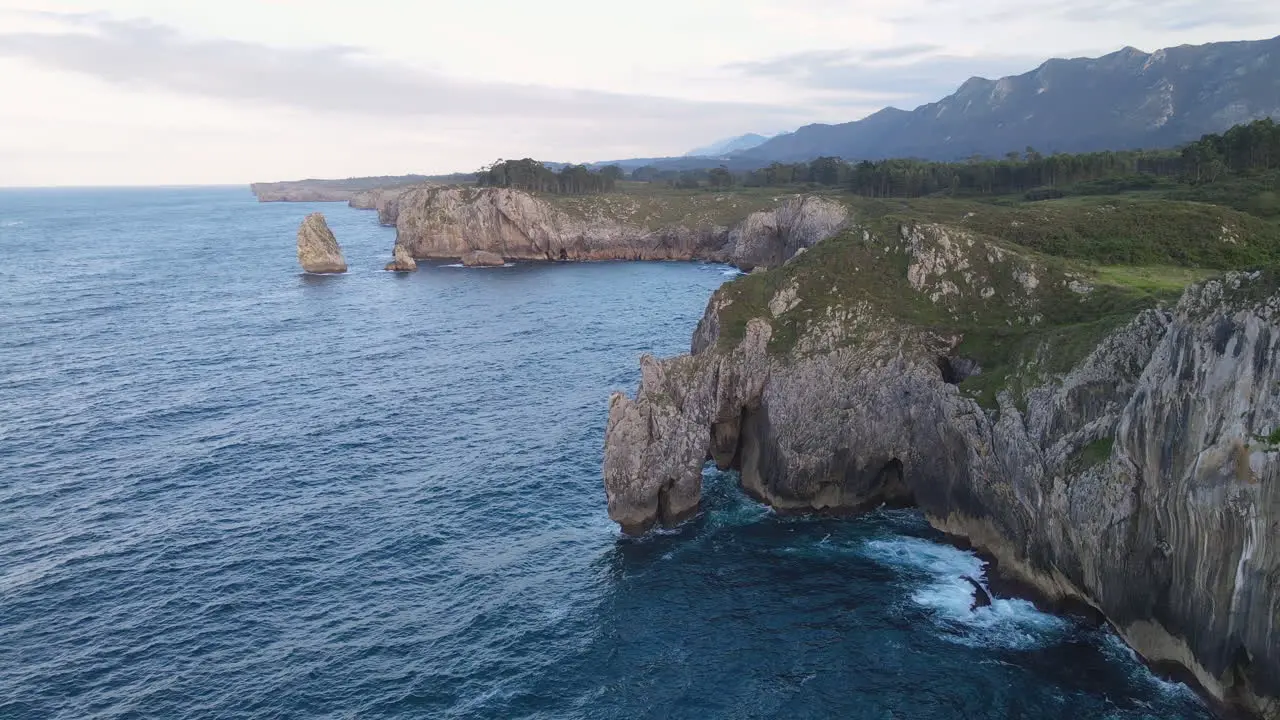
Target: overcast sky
126,92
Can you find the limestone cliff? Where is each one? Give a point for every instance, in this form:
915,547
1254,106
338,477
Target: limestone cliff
448,222
1102,444
318,250
384,200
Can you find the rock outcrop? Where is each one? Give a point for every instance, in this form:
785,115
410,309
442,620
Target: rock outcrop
482,258
1131,465
318,250
386,201
401,261
448,222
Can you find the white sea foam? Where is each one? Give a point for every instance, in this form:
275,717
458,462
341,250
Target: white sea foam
11,223
937,575
1113,646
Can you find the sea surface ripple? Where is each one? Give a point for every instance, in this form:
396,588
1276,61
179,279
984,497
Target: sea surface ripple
231,490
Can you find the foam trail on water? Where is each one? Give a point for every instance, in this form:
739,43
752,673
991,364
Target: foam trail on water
938,575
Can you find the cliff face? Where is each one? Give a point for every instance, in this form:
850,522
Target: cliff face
449,222
1126,463
386,201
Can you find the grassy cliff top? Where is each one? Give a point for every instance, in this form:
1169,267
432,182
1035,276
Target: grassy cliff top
654,206
1029,289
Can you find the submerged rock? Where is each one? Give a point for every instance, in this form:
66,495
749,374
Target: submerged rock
318,249
401,261
1142,477
482,258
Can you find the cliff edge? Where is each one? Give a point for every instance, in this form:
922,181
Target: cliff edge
451,221
1107,441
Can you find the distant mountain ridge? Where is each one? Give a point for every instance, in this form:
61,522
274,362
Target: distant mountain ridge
1127,99
729,146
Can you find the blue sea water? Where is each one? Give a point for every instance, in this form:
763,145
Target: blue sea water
229,490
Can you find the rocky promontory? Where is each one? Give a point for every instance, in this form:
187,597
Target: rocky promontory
1106,442
318,249
449,222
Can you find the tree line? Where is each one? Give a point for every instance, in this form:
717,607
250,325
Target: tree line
1243,149
533,176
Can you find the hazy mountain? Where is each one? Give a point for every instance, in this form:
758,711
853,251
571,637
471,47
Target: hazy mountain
729,146
1128,99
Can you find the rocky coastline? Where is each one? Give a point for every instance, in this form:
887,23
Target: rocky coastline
1104,447
449,222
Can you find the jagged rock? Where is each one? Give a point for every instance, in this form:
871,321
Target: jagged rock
445,222
482,258
981,598
318,250
401,261
1143,481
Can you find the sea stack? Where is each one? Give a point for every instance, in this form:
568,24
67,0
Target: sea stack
401,261
482,258
318,249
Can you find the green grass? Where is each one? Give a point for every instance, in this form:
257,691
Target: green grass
1136,229
655,206
1158,279
1095,453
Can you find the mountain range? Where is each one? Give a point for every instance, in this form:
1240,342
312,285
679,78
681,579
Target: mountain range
1127,99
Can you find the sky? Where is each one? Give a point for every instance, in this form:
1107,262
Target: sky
165,92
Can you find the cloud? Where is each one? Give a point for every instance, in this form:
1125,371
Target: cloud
903,51
330,79
915,73
1168,15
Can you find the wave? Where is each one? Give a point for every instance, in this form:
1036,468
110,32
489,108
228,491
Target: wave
1115,648
11,223
938,574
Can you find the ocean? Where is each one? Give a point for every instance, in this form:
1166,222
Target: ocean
231,490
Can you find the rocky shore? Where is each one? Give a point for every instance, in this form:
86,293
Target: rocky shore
1104,446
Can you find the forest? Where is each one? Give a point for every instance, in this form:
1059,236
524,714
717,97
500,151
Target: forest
534,176
1240,168
1244,151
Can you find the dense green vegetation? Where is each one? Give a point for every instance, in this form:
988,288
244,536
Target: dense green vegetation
1106,235
1239,168
533,176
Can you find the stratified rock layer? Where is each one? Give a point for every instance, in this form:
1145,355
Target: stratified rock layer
1144,480
318,250
449,222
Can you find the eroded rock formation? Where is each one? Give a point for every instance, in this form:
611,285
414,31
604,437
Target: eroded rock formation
401,261
318,250
1142,477
448,222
